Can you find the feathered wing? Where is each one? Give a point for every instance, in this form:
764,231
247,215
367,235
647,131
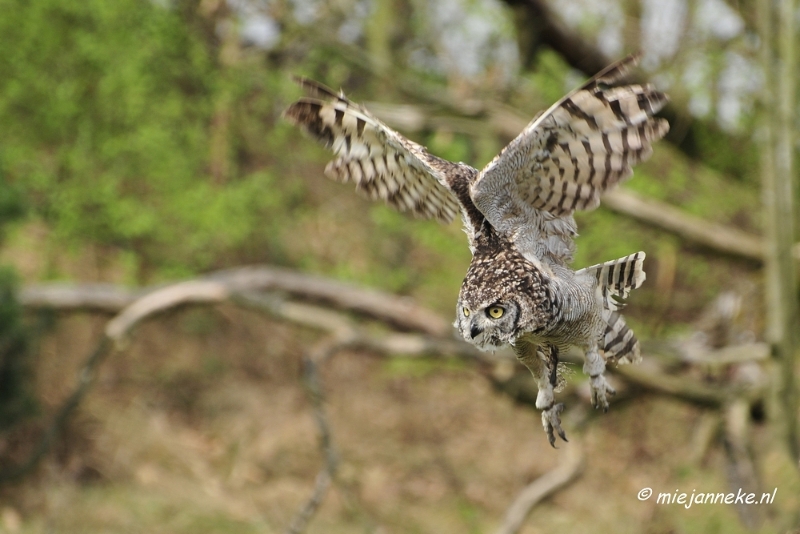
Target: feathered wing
382,163
580,147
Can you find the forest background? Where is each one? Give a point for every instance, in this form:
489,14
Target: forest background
142,144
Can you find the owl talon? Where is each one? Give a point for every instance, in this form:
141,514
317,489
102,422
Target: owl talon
601,388
551,420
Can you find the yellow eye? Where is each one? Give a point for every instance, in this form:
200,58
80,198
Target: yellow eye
495,312
466,312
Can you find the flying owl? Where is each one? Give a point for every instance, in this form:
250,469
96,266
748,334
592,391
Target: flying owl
517,214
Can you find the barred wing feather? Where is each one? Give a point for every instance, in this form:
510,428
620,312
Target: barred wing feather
565,158
379,161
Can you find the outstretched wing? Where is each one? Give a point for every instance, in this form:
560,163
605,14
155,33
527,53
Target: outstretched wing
382,163
565,158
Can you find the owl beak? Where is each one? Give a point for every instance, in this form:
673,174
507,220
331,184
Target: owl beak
474,331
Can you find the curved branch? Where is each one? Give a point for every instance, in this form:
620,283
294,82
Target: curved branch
85,380
192,291
568,469
321,352
399,311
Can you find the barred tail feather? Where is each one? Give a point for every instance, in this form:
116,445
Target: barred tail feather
616,278
619,343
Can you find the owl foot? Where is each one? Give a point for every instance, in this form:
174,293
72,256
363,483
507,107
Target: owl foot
600,387
551,420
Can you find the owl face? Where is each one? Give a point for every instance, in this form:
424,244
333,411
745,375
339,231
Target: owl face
489,325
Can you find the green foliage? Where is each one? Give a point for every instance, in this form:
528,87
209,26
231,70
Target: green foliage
16,400
11,202
109,110
448,146
736,156
548,76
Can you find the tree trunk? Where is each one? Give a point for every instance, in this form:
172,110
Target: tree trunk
777,169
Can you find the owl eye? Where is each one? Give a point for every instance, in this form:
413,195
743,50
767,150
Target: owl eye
495,312
466,312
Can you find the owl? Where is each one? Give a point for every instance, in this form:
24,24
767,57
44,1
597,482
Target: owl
518,216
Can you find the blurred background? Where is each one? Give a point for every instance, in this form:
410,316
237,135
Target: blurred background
142,143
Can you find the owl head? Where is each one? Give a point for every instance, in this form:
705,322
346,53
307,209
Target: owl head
503,296
487,323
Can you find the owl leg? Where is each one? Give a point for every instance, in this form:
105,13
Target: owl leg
595,367
545,400
543,363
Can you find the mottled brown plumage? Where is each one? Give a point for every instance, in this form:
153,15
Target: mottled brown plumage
517,213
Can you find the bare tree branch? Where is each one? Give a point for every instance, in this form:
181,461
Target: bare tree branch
542,26
315,357
712,235
66,296
742,473
705,433
303,516
684,388
85,379
567,470
399,311
160,300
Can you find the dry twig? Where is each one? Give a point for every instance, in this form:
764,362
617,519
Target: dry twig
402,312
568,469
742,474
85,379
316,356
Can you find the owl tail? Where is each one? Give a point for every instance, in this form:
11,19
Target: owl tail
619,344
615,279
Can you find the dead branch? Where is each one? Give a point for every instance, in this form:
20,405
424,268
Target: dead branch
60,296
704,435
568,469
641,379
85,379
683,388
742,472
243,287
339,325
316,356
160,300
712,235
303,516
778,174
732,354
506,122
399,311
